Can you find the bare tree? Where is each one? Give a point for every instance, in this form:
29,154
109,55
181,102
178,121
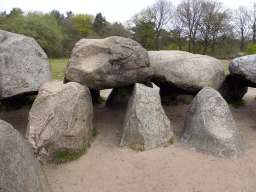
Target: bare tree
178,28
189,12
213,24
253,22
241,21
162,10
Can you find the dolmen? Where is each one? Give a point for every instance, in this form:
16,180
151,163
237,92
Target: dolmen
61,118
24,66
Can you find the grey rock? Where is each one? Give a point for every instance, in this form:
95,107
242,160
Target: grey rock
108,63
24,66
146,123
185,72
210,128
19,169
60,120
244,69
232,89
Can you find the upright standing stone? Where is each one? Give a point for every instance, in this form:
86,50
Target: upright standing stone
210,128
60,120
146,123
19,169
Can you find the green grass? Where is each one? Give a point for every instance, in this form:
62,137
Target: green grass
169,143
66,156
95,132
137,148
58,67
225,64
237,104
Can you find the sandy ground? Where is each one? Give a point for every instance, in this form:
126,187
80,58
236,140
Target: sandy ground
106,167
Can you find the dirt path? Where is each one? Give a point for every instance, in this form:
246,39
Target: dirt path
106,167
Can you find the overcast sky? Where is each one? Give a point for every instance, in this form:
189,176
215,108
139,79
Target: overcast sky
113,10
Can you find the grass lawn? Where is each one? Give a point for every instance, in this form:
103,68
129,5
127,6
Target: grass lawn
58,67
225,64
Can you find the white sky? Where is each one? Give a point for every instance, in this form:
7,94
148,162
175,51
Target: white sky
113,10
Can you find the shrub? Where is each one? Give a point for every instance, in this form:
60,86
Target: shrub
95,132
171,47
250,49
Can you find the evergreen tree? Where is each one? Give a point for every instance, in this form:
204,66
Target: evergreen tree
99,24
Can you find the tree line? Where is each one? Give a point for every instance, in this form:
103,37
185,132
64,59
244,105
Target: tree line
197,26
57,33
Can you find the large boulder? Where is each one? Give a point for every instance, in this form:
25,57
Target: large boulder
19,170
24,66
232,89
146,123
210,128
183,72
108,63
60,120
244,69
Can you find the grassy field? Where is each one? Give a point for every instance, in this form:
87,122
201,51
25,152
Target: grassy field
225,64
59,65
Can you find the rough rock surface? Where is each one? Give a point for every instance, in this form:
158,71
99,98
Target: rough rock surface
185,72
210,128
232,89
146,123
19,169
244,69
108,63
24,66
60,120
